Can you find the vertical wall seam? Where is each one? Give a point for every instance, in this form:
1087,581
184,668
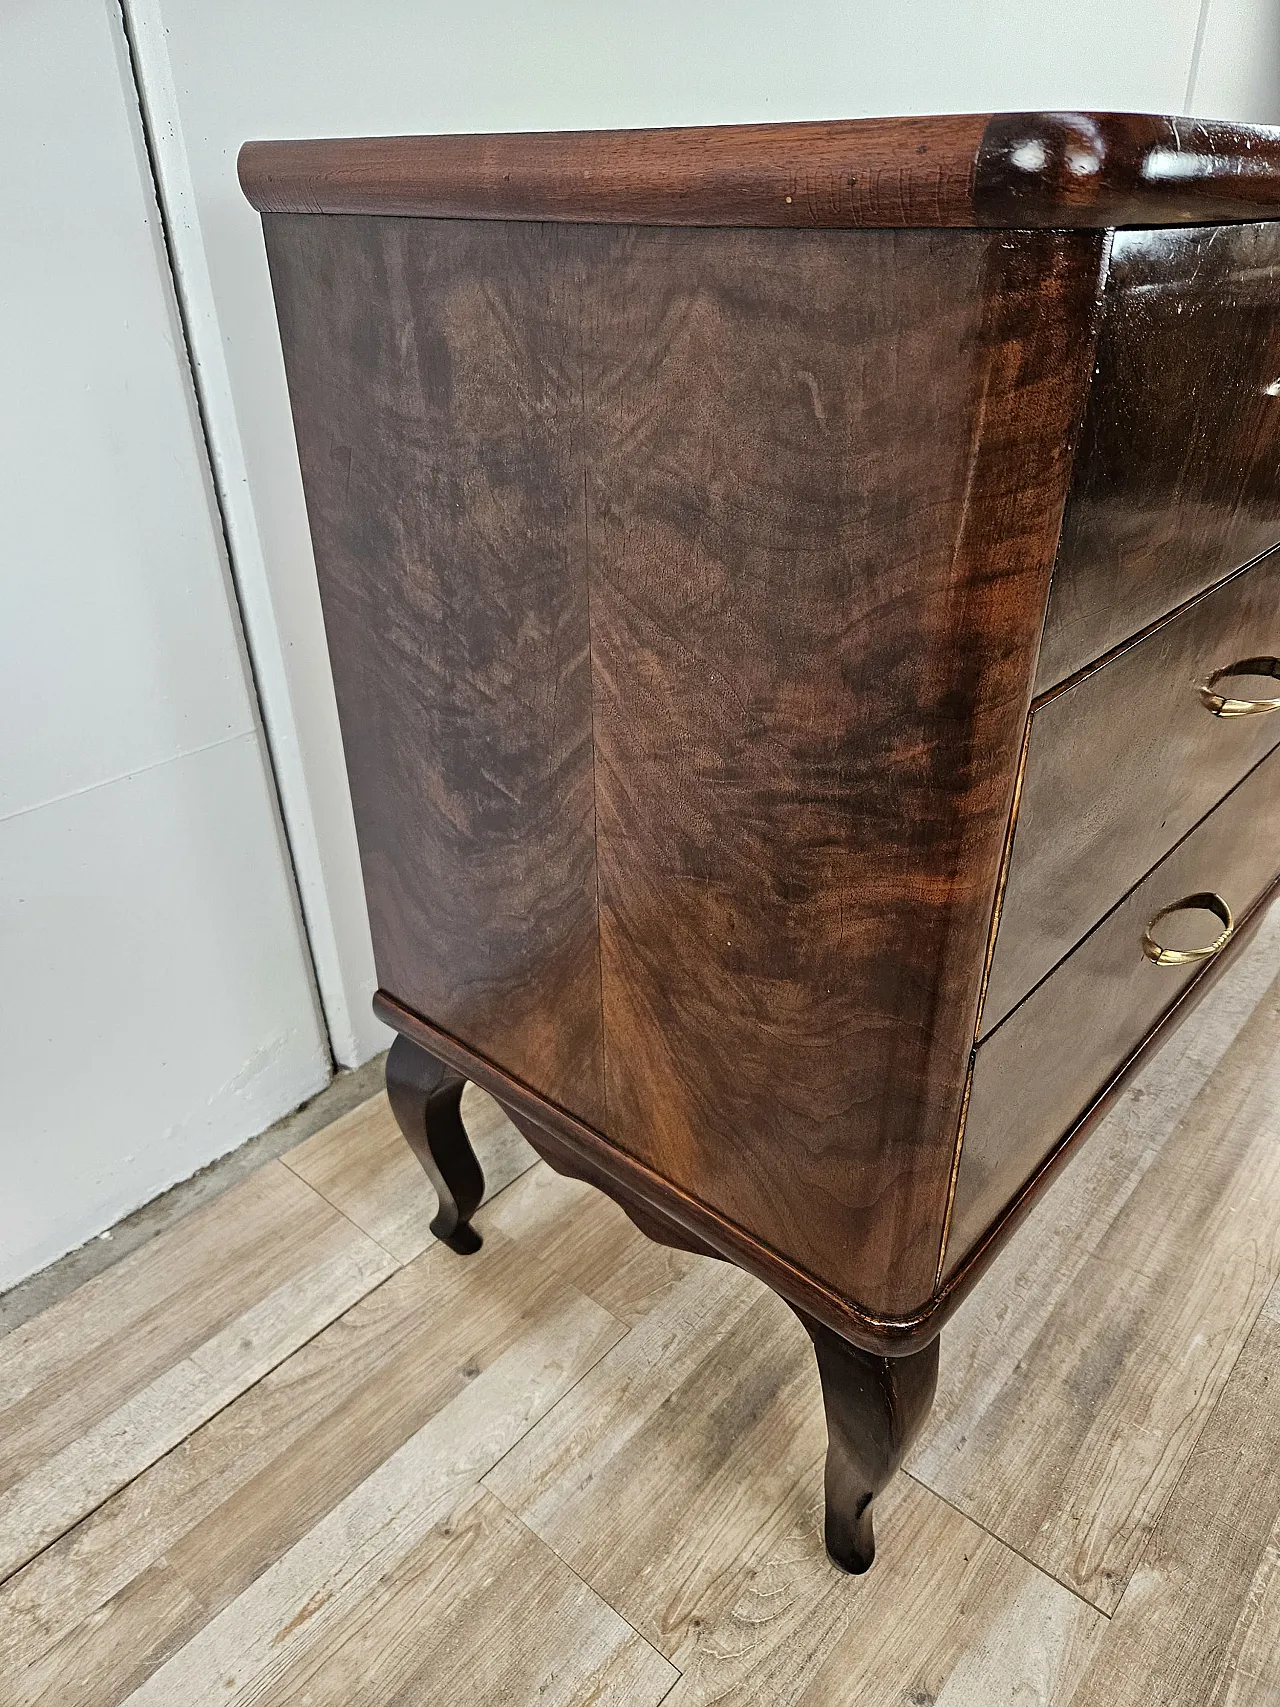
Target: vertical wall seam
1197,48
143,36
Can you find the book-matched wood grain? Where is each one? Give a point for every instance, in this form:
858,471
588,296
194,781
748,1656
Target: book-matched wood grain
1055,170
677,591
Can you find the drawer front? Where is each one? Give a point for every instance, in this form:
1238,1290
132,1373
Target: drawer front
1121,765
1177,474
1044,1067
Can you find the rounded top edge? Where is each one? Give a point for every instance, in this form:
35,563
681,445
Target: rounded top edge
1063,169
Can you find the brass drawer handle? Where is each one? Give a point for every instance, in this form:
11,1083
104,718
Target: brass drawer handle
1222,705
1206,901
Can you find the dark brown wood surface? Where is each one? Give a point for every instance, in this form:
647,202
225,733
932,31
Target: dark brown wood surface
435,379
1177,477
426,1100
875,1407
1120,766
1047,1063
812,597
1009,169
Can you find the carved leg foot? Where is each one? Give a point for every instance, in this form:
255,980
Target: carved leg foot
875,1408
425,1098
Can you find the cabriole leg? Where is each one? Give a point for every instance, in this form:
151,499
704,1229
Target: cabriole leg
425,1098
875,1408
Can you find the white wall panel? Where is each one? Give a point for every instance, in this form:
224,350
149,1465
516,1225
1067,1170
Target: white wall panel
156,1005
154,1009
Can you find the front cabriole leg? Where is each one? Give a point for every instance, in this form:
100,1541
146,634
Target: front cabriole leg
426,1098
875,1408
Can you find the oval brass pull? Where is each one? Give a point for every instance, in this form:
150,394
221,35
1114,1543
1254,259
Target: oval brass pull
1222,705
1206,901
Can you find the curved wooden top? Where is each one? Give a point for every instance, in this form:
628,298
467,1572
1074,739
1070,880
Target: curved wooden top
975,169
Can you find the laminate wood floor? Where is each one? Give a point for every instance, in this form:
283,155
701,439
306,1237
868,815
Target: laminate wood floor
293,1451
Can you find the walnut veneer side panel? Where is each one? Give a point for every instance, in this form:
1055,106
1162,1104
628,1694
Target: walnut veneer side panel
435,382
756,526
827,472
1177,476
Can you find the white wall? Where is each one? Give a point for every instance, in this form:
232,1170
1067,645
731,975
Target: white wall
223,73
156,1006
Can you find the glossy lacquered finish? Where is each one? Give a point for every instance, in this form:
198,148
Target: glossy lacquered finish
1177,476
1036,1073
683,646
686,506
1119,767
1054,170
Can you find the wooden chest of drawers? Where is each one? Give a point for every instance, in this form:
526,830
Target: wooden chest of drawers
804,632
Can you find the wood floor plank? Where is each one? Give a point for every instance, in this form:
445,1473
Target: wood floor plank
132,1321
1199,1624
653,1480
290,1608
321,1539
682,1480
478,1612
987,1345
99,1408
362,1165
1077,1449
222,1508
949,1617
589,1240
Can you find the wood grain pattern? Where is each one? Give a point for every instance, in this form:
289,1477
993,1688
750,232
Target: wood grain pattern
988,1349
286,1618
702,444
1176,476
363,1167
94,1393
800,813
1098,1357
1038,1071
438,439
1200,1618
1010,169
683,1479
1078,1430
416,1358
589,1241
1119,767
493,1615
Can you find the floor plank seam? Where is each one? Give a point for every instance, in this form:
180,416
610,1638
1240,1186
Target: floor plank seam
590,1587
568,1390
339,1210
1009,1546
204,1422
